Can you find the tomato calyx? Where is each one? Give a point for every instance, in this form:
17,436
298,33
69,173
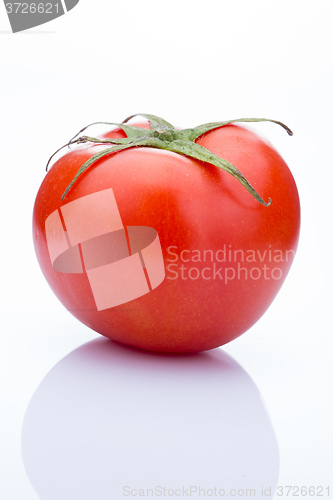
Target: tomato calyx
162,135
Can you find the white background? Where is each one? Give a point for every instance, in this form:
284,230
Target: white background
190,62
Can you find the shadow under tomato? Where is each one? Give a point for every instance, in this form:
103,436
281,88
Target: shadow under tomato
110,421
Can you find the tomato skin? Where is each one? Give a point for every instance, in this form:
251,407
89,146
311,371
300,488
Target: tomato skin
199,212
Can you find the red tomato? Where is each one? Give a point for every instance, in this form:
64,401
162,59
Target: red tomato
206,271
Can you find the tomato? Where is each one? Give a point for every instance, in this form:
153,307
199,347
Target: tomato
163,251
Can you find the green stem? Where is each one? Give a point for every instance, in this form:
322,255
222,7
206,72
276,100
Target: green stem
163,135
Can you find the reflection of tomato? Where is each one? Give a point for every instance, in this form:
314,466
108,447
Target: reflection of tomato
225,255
